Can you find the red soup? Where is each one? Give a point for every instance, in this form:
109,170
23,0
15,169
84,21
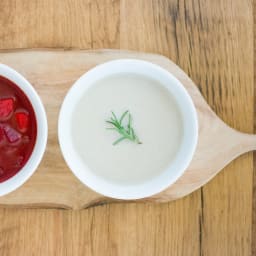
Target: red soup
18,129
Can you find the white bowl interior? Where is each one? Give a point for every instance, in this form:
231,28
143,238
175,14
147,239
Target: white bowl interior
176,167
29,168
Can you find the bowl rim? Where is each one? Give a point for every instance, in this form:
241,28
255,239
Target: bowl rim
156,185
30,167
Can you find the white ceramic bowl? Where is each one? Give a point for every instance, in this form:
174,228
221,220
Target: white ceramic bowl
187,147
30,167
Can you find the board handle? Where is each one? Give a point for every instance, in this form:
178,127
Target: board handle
246,142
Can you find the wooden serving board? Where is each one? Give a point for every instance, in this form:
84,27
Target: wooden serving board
53,185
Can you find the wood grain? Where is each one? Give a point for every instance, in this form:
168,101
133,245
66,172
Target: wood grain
253,251
83,24
228,87
208,39
212,41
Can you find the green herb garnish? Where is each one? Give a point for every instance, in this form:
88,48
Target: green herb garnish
126,131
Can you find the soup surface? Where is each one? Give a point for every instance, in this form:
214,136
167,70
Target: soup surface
17,129
156,120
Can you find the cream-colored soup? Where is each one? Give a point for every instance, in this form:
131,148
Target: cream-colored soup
156,121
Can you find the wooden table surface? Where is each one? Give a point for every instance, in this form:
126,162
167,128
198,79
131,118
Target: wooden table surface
213,42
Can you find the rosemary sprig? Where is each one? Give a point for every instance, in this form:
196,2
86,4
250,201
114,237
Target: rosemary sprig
126,132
